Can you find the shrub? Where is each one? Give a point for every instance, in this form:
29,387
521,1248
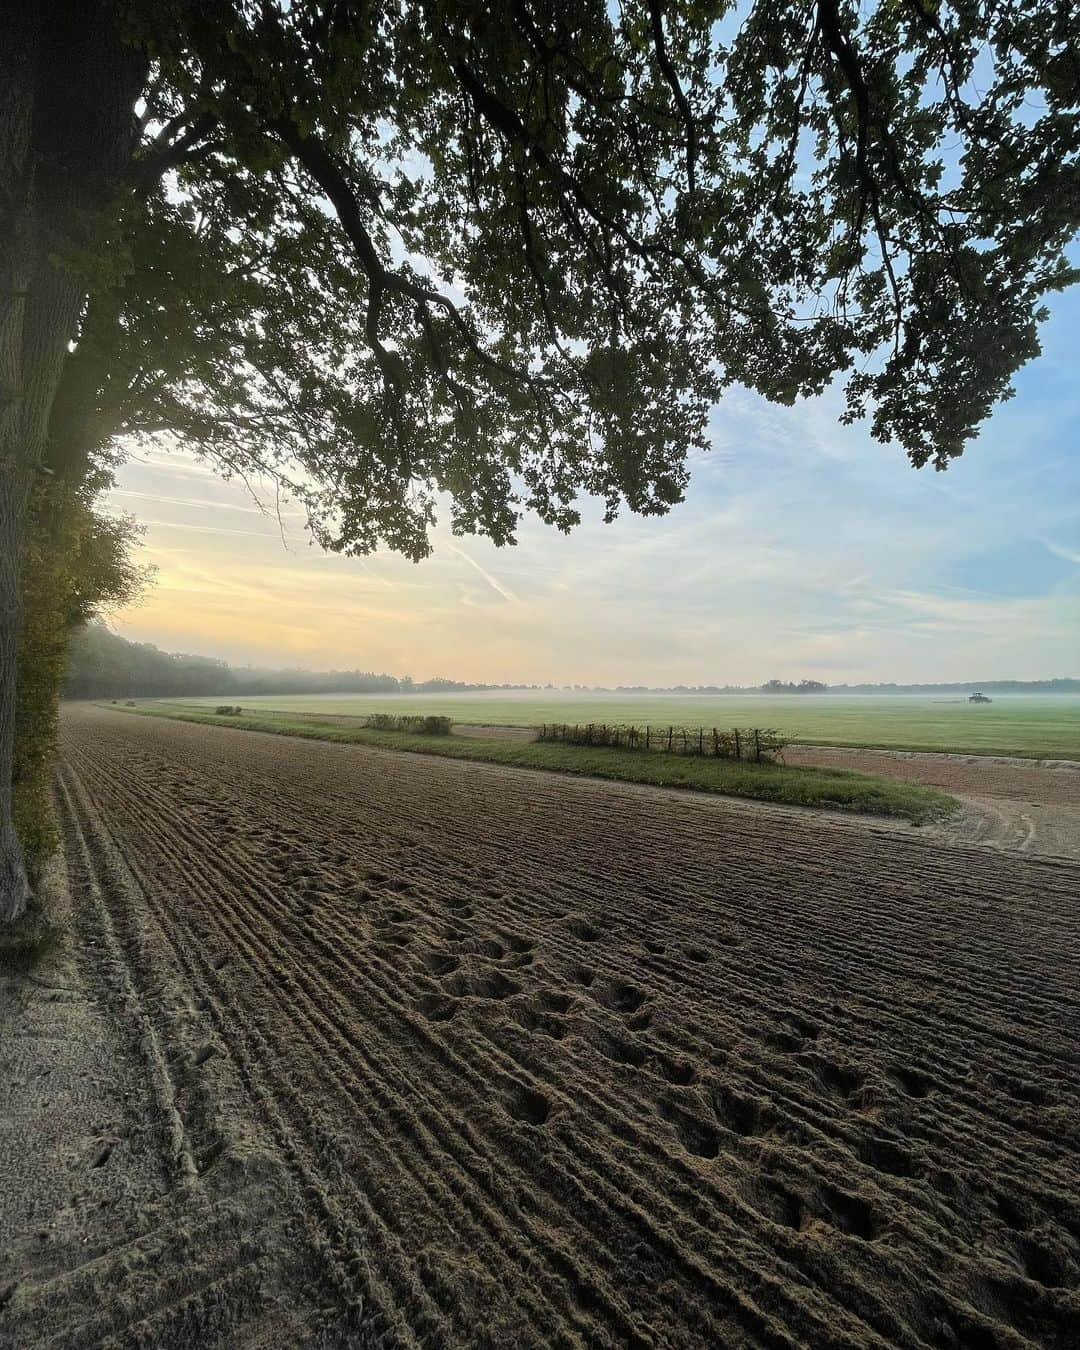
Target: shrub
75,563
419,726
228,710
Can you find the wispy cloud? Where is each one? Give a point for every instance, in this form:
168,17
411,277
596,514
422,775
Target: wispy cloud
1069,555
191,527
802,548
209,504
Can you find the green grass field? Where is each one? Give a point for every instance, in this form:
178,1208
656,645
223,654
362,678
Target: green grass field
1043,727
836,789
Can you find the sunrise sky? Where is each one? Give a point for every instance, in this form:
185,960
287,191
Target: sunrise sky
803,549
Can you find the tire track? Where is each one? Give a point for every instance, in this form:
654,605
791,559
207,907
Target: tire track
611,1066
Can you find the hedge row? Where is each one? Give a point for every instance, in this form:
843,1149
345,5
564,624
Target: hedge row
420,726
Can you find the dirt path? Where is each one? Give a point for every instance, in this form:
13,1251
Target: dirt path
530,1061
1019,805
137,1207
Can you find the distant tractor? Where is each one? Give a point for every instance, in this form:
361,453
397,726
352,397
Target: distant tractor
979,698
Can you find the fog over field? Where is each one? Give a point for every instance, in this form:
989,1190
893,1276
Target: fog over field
1040,725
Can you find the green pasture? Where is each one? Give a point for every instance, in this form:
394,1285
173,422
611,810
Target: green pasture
1040,726
789,785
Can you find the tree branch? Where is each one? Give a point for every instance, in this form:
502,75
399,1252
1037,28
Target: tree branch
671,75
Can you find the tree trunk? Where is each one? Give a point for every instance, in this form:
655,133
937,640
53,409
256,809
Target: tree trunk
18,74
67,89
14,890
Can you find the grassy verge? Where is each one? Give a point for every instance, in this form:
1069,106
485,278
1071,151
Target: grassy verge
915,748
27,941
789,785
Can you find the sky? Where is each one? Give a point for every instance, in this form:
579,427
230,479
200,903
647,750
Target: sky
803,549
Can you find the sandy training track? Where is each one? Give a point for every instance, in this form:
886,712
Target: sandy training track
503,1058
1024,806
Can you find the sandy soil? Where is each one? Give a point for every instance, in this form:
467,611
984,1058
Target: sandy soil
494,733
529,1061
137,1208
1021,805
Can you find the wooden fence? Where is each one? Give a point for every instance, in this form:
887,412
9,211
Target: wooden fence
754,744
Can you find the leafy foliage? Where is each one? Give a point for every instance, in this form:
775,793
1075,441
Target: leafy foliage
101,664
515,253
76,563
790,687
418,725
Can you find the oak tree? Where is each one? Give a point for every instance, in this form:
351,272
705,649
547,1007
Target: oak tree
513,253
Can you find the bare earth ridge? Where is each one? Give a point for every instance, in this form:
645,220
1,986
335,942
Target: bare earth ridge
444,1053
1030,806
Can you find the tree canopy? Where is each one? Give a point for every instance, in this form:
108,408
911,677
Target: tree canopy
516,253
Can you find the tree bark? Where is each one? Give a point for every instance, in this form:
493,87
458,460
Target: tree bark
14,888
18,73
67,90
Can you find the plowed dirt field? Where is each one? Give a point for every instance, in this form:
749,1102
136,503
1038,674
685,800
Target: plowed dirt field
506,1059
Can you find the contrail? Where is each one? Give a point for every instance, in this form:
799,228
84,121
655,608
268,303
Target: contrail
1066,554
495,585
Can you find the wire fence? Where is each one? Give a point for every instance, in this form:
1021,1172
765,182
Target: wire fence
755,745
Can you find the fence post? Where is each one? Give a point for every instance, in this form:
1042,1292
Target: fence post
757,745
670,732
738,748
646,738
701,740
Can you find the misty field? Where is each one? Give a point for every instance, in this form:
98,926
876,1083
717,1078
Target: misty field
1042,726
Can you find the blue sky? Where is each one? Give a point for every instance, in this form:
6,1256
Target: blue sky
803,549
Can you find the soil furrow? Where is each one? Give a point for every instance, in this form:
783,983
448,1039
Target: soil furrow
299,994
577,1063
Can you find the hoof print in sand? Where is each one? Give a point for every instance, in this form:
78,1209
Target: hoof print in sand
621,996
436,1007
528,1106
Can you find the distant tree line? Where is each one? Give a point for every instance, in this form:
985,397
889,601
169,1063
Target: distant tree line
104,665
1061,685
